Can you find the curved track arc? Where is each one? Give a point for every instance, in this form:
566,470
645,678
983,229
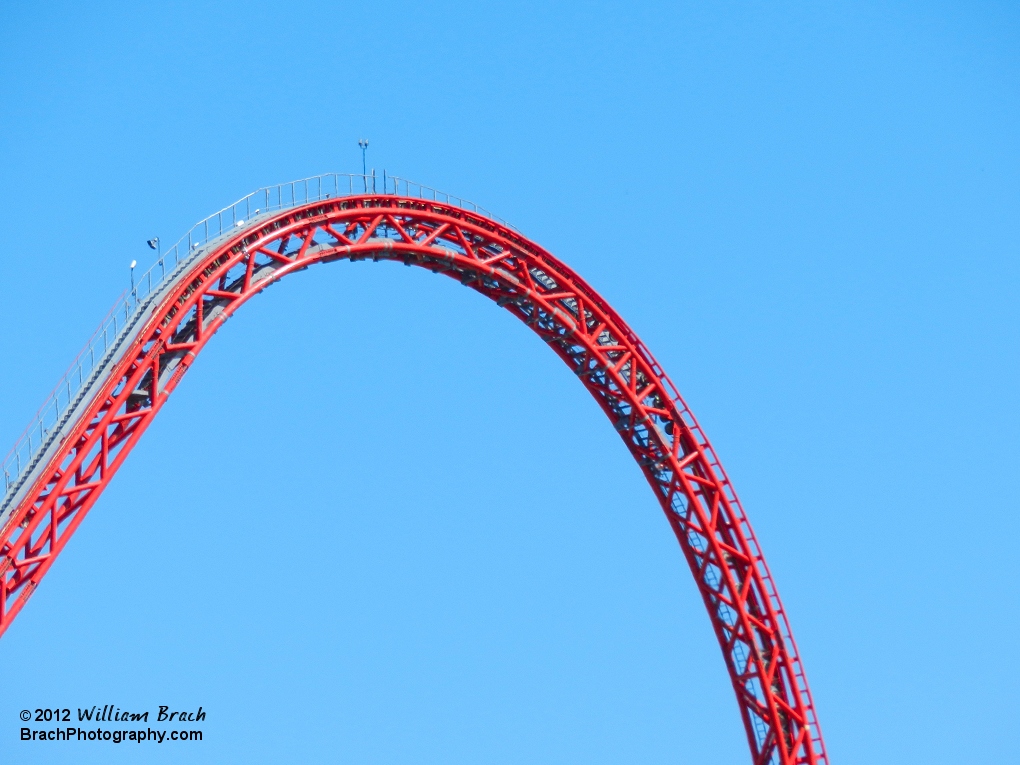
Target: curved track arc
568,314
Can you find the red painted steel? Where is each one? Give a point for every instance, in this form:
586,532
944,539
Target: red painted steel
608,358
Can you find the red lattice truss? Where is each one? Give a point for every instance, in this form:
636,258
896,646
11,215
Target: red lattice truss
607,357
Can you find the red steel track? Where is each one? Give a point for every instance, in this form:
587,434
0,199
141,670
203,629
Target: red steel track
561,308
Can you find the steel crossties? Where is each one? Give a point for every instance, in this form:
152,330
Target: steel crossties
116,398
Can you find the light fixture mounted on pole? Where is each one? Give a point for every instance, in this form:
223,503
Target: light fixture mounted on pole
153,245
363,143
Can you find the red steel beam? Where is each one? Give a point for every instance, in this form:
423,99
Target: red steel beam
579,325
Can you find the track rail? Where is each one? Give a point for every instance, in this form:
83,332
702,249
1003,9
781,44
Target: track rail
166,333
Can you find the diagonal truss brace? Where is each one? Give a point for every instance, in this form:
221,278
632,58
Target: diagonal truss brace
608,358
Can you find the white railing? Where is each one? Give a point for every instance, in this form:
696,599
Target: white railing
77,380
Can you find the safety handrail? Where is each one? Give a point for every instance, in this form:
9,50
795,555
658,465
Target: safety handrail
264,201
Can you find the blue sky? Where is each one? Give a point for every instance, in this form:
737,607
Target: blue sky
380,523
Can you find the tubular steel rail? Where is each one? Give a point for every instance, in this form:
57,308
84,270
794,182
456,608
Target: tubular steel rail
46,426
111,396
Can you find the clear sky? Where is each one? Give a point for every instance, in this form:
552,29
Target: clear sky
380,523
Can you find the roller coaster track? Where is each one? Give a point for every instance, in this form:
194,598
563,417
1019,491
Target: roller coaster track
116,387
